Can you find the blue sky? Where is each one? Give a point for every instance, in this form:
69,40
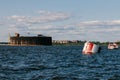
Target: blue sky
92,20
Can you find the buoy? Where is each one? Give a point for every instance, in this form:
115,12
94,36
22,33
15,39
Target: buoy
90,48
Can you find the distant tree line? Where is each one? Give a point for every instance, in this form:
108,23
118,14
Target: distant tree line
82,43
74,43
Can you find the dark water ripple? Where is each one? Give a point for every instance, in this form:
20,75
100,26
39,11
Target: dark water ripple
58,63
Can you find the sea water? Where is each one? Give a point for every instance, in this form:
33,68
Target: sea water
58,63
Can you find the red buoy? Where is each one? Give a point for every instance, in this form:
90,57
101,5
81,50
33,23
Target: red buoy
90,48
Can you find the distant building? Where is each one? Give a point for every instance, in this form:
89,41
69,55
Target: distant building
61,41
65,41
18,40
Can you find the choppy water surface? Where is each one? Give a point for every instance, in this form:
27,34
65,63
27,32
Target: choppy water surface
58,63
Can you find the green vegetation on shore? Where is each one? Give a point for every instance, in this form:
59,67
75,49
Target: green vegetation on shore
72,43
82,43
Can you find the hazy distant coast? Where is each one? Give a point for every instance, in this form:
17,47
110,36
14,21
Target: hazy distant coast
70,42
78,42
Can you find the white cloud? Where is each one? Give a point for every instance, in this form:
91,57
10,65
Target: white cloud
46,17
100,23
46,24
43,12
100,30
37,24
99,26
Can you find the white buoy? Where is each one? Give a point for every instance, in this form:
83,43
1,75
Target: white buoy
90,48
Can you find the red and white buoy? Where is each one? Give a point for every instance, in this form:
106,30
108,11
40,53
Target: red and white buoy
90,48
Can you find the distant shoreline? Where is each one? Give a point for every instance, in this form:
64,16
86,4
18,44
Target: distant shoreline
70,43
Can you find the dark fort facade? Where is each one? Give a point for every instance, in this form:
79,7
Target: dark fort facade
18,40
